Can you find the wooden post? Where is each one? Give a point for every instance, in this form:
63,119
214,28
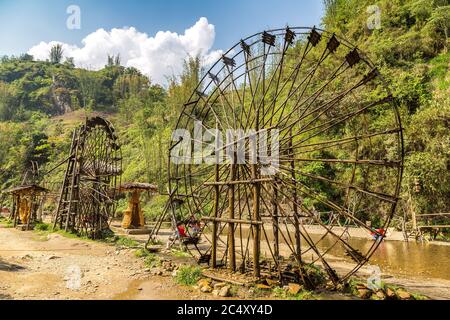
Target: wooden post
275,227
13,209
16,214
298,248
73,181
256,204
231,198
216,212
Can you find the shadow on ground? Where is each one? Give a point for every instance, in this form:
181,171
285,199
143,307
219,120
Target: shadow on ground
5,266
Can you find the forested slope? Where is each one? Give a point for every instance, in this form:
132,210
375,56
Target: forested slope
41,101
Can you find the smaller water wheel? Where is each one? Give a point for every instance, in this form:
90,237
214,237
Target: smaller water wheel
88,194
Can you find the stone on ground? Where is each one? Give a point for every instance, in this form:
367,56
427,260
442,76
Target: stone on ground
294,288
404,295
225,291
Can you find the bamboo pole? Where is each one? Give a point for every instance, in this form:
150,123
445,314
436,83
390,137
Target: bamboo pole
275,229
214,227
256,207
231,200
295,207
235,182
227,220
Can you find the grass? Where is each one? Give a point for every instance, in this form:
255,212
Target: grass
41,226
125,242
7,223
418,296
315,274
188,275
150,260
439,70
141,253
302,295
180,253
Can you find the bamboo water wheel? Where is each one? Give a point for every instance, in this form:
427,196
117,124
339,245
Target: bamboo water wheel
88,194
311,98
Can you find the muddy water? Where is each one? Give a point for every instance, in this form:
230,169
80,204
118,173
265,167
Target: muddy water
410,259
414,259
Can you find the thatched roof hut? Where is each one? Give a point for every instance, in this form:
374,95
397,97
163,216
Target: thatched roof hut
138,186
26,190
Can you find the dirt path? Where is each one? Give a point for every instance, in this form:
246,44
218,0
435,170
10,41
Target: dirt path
33,266
47,267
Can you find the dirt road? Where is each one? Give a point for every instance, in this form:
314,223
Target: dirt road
55,267
34,266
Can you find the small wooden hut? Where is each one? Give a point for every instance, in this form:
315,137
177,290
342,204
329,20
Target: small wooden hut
133,216
27,200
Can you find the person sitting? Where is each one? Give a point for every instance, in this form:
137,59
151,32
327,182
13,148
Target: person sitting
378,233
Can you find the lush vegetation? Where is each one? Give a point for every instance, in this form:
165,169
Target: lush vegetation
41,101
411,49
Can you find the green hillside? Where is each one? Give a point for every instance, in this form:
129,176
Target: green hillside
40,102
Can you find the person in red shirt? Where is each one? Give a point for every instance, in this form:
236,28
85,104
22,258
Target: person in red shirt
181,231
378,233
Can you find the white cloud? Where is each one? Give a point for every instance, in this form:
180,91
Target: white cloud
158,57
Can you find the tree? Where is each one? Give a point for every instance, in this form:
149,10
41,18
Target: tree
56,54
70,62
89,85
7,101
113,61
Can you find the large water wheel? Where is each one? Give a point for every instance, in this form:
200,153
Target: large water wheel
336,171
88,194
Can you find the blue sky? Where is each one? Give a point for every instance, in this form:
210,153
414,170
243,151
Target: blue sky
24,23
154,36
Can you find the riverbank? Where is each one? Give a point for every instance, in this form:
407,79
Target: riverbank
44,266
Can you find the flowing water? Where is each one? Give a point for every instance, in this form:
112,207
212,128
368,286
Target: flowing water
410,259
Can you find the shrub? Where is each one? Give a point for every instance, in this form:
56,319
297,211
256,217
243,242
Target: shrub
188,275
41,226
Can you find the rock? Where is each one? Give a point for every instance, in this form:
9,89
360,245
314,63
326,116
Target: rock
26,257
364,293
360,286
225,291
390,293
215,292
140,289
402,294
219,285
174,274
263,287
338,287
271,282
203,283
53,257
373,296
381,295
294,288
206,289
